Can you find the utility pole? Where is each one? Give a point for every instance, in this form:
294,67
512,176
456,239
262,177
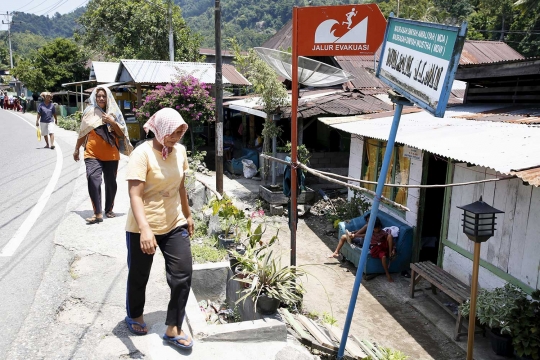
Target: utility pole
171,37
9,23
219,101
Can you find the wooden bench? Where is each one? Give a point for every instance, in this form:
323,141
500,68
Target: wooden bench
440,279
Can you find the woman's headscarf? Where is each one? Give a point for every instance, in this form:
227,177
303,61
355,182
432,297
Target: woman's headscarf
163,123
91,118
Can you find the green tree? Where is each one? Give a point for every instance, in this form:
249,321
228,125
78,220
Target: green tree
59,61
136,29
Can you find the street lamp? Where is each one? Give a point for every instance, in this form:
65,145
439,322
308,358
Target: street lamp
479,226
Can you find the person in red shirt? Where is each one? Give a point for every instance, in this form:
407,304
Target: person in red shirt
379,247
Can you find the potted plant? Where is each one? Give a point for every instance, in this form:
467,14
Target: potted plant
493,309
269,283
251,240
525,326
231,220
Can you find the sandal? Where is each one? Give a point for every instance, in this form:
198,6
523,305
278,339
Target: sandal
52,147
130,322
94,220
110,214
174,341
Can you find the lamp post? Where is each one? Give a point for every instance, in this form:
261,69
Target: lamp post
479,226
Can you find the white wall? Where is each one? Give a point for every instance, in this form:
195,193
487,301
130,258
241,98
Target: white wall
515,247
415,177
455,263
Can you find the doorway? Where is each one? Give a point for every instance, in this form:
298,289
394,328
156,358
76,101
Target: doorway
433,209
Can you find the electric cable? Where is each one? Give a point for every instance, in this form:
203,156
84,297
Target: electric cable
54,6
24,6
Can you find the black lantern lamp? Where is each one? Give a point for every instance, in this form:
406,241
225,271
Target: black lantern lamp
479,221
479,226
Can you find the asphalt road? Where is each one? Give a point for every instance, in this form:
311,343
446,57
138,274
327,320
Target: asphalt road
31,207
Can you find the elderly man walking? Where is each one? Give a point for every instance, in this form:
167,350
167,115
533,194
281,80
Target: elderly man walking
45,114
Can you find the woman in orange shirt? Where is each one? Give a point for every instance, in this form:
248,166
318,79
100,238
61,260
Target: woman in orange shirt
102,126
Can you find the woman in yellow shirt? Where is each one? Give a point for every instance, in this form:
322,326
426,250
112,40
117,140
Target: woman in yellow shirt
159,216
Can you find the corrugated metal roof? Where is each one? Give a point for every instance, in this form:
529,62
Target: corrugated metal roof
363,78
322,102
104,72
282,40
532,176
161,72
233,76
212,52
481,52
500,146
517,114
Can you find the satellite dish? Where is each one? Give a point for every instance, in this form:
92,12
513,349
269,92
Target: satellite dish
310,72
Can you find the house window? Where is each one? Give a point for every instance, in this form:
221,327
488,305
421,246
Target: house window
398,172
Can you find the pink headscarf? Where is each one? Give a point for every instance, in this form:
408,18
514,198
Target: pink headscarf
163,123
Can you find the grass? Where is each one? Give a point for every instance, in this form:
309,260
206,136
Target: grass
68,123
207,251
313,315
329,319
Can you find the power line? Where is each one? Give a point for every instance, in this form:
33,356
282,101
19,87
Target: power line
41,3
54,6
51,10
24,5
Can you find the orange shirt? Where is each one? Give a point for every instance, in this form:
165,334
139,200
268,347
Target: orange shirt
97,148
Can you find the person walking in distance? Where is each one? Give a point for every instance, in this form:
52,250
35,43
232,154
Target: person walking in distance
159,216
102,125
45,115
23,101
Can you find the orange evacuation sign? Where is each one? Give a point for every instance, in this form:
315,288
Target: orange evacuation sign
340,30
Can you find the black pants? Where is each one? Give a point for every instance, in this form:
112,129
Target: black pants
176,249
94,170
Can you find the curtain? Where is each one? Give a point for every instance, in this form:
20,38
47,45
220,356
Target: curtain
402,176
387,191
371,146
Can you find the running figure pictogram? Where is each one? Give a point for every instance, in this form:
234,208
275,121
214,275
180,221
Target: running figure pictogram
349,18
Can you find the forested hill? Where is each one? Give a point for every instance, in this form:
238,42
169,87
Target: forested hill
251,22
50,27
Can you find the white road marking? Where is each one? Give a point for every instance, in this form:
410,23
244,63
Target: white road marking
29,222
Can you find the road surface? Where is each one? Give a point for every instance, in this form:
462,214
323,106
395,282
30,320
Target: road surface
36,185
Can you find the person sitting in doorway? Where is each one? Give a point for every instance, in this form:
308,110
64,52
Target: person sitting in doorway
356,238
379,247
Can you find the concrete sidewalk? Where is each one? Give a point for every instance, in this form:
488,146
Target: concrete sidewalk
79,309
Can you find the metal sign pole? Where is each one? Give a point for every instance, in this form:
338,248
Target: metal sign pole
373,215
294,134
219,100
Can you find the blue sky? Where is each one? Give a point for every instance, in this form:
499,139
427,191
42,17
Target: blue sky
38,7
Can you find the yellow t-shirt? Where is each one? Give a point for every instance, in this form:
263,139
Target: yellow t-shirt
161,195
